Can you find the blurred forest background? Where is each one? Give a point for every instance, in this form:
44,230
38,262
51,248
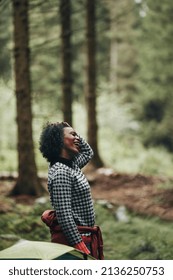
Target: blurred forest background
104,66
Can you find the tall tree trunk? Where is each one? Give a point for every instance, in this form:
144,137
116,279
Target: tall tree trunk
91,98
122,35
65,13
27,182
114,46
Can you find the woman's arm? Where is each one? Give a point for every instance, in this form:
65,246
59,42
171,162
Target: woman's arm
85,154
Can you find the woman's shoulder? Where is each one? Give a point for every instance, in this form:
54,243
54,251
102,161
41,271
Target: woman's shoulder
58,169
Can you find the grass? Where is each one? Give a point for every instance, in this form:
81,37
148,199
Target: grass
140,238
22,222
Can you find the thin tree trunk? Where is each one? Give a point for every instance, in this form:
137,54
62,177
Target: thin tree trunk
27,181
65,13
91,97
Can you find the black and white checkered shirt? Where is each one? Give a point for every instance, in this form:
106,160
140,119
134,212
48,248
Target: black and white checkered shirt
70,194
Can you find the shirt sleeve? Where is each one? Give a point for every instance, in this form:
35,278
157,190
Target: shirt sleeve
85,154
61,196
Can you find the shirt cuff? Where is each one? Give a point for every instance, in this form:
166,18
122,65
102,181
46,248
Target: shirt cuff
82,247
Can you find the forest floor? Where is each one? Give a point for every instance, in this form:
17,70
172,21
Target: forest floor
141,194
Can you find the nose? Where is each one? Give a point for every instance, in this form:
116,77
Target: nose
77,137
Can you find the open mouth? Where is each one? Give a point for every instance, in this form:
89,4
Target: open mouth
77,144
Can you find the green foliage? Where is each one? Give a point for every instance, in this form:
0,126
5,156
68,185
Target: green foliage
155,74
5,40
7,119
120,140
45,57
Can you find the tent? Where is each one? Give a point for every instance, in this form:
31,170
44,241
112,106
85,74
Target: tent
40,250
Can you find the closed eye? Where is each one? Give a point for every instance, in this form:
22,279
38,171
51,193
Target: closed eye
74,133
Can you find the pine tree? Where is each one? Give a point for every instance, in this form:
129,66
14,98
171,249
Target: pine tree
65,14
27,181
91,97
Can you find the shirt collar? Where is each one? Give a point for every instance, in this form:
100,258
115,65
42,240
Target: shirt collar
65,161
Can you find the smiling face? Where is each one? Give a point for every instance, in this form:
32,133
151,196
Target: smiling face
71,145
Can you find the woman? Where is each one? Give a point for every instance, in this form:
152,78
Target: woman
69,189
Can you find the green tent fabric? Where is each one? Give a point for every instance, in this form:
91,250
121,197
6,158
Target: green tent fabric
40,250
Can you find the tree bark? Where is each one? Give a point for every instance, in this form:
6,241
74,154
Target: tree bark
27,181
65,14
91,98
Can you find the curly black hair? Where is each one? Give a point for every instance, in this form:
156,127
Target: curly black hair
51,140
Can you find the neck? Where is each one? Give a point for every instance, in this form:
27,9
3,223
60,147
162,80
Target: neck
65,155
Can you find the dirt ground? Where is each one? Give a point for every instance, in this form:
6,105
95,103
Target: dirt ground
139,193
